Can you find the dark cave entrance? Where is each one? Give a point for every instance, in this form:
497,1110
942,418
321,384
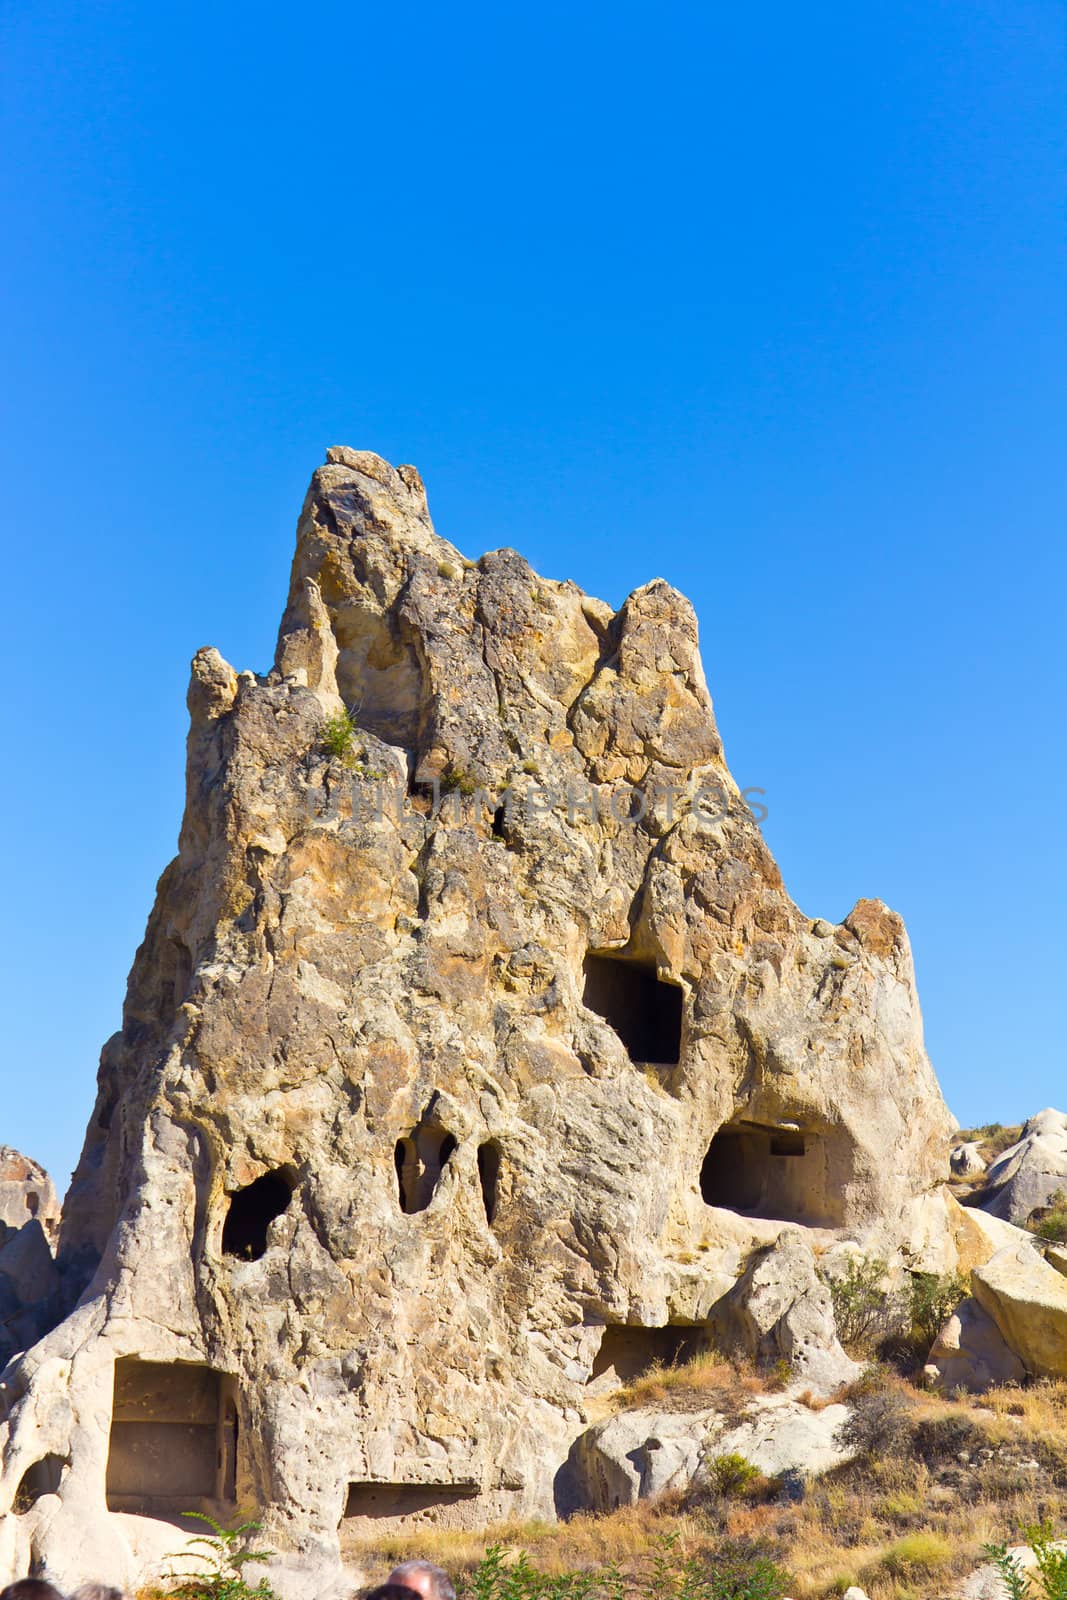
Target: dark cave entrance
173,1442
423,1502
782,1173
629,1352
43,1477
420,1158
252,1210
489,1159
645,1012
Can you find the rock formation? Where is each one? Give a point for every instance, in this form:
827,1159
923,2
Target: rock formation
1022,1181
468,1061
29,1221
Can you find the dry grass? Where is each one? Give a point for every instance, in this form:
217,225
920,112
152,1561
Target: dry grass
904,1524
707,1379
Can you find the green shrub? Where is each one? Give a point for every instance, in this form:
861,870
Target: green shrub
917,1552
731,1474
733,1571
1050,1580
860,1302
1052,1223
222,1557
457,780
338,736
934,1297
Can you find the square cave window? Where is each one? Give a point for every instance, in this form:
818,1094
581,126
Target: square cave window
399,1503
173,1443
628,1352
782,1173
645,1012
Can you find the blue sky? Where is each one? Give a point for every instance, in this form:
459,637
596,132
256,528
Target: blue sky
769,301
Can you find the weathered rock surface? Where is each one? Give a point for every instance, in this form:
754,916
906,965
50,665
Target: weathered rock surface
966,1160
422,1122
26,1193
644,1452
780,1310
1027,1299
29,1283
1023,1180
971,1353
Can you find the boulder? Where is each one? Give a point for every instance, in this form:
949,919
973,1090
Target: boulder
27,1266
642,1453
971,1353
1056,1256
26,1193
1027,1299
781,1310
966,1160
1023,1180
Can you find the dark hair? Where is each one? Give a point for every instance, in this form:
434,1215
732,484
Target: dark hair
387,1591
30,1589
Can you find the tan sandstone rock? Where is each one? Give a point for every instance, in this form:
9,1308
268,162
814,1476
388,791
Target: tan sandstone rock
1027,1300
971,1353
26,1193
426,1123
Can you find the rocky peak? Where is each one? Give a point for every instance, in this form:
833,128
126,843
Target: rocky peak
473,1054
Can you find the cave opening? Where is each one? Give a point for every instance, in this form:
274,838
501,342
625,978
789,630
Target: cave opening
173,1440
43,1477
781,1173
644,1011
628,1353
422,1502
489,1158
251,1212
420,1158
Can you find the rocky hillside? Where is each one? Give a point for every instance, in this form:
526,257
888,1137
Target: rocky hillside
475,1063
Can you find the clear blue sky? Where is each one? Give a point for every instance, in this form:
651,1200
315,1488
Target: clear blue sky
770,301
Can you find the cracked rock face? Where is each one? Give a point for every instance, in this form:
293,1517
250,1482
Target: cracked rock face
428,1120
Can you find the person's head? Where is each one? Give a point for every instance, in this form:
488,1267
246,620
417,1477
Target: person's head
392,1591
428,1581
30,1589
97,1591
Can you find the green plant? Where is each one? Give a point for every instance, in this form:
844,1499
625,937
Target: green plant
338,738
445,569
223,1555
457,780
922,1552
731,1474
860,1301
732,1571
1011,1574
1052,1223
934,1297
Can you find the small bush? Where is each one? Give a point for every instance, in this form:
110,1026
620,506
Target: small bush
1050,1580
457,780
880,1426
946,1438
934,1297
731,1474
917,1552
1051,1224
860,1302
338,736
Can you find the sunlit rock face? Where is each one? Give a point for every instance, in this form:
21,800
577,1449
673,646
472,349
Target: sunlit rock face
462,1070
